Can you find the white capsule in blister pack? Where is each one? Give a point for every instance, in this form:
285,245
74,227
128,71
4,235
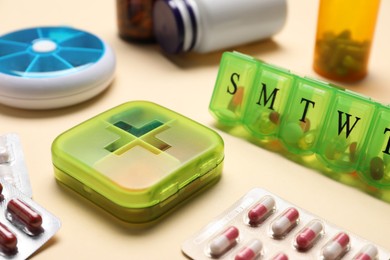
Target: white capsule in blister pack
12,165
25,226
268,227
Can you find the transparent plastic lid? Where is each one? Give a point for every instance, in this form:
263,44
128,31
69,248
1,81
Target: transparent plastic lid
339,132
48,51
137,154
52,67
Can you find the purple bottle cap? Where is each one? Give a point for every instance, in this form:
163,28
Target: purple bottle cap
174,25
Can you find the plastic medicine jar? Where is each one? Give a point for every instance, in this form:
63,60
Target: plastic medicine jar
208,25
345,32
134,20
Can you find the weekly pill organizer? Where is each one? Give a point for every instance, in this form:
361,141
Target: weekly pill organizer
53,66
346,135
261,225
138,160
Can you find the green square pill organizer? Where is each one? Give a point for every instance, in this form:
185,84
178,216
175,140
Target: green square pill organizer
138,160
336,131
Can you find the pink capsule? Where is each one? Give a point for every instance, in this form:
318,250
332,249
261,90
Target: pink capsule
336,247
285,222
223,242
306,238
368,252
261,210
280,256
251,251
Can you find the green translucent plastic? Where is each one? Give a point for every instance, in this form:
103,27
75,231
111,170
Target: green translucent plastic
138,160
347,134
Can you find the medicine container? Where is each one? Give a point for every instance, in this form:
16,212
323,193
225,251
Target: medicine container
345,134
134,20
53,66
138,160
205,26
345,32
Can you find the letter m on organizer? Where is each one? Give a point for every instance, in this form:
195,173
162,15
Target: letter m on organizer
264,98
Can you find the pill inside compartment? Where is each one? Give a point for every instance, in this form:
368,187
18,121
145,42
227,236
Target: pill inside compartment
223,242
337,247
375,165
260,211
304,115
235,78
309,235
24,217
284,223
267,102
367,252
250,251
346,127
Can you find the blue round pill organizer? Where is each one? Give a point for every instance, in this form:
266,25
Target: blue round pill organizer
52,67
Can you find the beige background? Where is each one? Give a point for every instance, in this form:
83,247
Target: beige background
184,84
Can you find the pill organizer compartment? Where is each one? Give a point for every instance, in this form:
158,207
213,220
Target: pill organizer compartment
263,110
138,160
237,77
325,127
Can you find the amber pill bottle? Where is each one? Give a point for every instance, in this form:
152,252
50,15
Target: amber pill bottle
345,31
134,20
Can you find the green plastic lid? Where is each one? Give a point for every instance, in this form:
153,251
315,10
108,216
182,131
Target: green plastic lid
135,158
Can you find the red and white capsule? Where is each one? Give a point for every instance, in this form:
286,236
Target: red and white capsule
280,256
24,214
368,252
224,241
336,247
261,210
285,222
250,251
8,240
308,236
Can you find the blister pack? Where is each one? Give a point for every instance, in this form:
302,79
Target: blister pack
262,225
24,225
13,168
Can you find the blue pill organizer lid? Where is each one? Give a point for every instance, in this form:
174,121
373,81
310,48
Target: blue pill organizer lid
50,67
